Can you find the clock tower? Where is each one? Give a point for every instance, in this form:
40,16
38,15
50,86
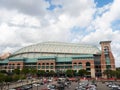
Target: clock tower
107,58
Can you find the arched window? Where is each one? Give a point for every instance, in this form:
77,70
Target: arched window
74,63
87,65
39,66
51,67
51,63
80,65
13,66
18,66
106,49
43,65
47,65
9,66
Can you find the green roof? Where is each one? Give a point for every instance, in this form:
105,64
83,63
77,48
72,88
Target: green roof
63,59
46,57
4,61
31,60
85,55
16,59
57,59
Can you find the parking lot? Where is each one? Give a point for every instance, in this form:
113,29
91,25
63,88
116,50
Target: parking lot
100,86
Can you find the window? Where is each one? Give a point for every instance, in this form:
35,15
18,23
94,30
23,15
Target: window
43,65
51,63
9,66
87,64
51,67
75,63
18,66
80,65
39,66
13,66
75,67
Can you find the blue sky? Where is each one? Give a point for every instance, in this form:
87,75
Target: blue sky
101,3
26,22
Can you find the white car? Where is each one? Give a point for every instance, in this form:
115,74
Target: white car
92,87
36,84
50,80
51,87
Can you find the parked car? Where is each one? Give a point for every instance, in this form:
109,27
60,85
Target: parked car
36,84
51,87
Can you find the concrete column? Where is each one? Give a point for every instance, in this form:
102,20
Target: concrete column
92,72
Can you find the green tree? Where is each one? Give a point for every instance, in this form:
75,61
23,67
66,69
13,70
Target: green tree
25,71
16,77
3,71
118,73
113,73
33,71
69,73
41,73
51,73
16,71
82,72
2,77
108,73
8,79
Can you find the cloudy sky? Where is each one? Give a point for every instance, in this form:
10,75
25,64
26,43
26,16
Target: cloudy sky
26,22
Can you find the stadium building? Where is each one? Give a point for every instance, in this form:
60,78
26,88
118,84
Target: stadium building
59,56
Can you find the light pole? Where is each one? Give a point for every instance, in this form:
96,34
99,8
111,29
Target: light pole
31,84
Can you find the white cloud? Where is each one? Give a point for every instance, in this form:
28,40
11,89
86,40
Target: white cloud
102,26
23,23
29,7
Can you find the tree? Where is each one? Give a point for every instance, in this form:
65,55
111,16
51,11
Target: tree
113,73
16,71
82,72
2,77
3,71
51,73
117,73
25,71
70,73
16,77
41,73
33,71
109,73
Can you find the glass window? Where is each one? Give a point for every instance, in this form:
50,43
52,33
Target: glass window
75,67
43,67
13,66
39,66
51,67
18,66
88,64
80,65
47,67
